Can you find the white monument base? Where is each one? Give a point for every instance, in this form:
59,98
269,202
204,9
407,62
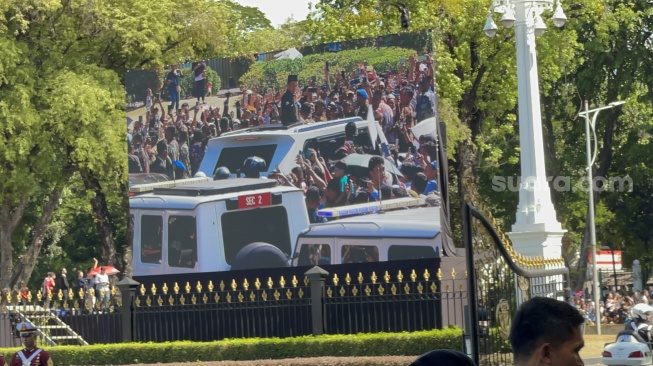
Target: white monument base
537,240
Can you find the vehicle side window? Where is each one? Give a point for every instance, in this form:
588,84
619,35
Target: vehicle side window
151,239
328,146
359,253
314,255
182,241
399,252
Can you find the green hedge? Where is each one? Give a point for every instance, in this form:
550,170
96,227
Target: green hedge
379,344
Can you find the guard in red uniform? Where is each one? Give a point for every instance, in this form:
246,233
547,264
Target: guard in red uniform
2,360
31,355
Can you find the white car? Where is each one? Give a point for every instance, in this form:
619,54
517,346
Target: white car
629,349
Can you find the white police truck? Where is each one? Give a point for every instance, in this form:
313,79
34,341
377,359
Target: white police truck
215,226
279,145
397,229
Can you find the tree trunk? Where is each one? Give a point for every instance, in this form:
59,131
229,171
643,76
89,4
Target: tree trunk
25,264
466,163
10,217
102,218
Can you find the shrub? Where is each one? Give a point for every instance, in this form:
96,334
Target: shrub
357,345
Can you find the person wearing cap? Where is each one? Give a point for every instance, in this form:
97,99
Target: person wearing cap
362,104
31,355
390,101
251,101
289,113
333,111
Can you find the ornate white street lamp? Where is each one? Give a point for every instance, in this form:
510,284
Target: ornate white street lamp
536,230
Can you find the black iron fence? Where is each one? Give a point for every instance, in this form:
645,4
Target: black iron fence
234,310
346,299
81,316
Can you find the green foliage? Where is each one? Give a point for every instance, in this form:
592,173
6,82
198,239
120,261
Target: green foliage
274,73
357,345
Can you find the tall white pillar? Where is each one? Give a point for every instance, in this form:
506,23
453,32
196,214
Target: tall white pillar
536,230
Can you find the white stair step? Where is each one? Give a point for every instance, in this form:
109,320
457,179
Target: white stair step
64,337
53,326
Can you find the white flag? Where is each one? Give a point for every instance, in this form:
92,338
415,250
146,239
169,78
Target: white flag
371,126
376,130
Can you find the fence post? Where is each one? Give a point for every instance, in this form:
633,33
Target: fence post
127,288
317,276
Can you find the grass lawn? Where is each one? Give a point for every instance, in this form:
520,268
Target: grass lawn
594,345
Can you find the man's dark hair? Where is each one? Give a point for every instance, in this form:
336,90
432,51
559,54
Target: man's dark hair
386,192
374,161
410,169
161,146
418,182
313,194
350,129
542,320
334,185
341,165
298,171
408,90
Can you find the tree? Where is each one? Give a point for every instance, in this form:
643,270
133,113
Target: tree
602,54
62,109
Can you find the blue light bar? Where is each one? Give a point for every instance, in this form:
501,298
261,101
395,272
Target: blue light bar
371,207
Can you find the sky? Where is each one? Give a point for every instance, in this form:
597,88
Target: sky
280,10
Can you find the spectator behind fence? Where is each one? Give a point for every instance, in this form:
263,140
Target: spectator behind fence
102,288
547,332
62,284
24,292
47,289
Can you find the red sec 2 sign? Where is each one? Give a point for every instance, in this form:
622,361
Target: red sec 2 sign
255,200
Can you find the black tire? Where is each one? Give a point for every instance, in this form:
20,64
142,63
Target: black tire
259,255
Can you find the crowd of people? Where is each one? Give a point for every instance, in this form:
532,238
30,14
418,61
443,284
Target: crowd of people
92,287
615,308
173,140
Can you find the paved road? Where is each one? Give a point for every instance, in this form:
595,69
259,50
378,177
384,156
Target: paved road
592,361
